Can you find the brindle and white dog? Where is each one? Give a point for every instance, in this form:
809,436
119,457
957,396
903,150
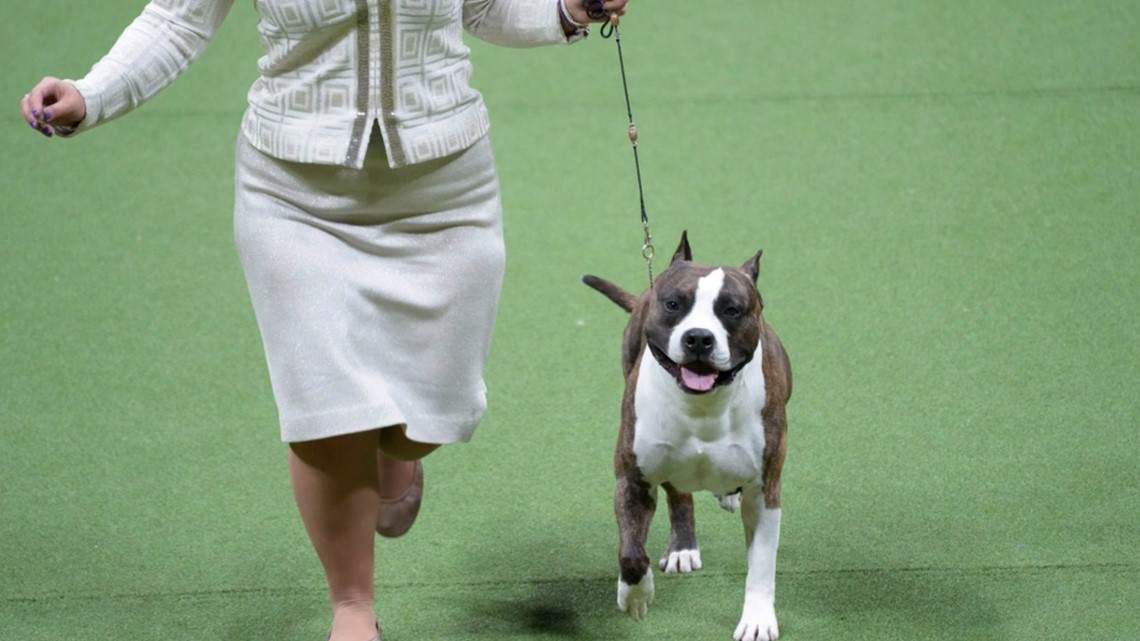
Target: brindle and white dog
707,381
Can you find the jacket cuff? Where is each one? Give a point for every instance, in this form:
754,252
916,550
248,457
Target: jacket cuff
565,21
94,106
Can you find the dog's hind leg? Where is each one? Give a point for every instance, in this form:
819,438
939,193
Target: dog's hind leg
634,504
682,555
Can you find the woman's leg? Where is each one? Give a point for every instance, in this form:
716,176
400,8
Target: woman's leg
401,481
336,486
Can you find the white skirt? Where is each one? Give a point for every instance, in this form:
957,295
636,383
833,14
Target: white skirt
375,289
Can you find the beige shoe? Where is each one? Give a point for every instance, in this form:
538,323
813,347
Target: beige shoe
397,515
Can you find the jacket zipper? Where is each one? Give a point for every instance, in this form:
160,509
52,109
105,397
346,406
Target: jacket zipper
375,71
363,63
387,88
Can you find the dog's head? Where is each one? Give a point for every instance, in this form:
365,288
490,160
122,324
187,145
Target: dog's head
703,323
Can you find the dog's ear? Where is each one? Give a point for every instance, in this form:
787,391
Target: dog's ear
683,251
752,266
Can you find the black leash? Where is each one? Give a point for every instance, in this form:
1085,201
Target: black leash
594,9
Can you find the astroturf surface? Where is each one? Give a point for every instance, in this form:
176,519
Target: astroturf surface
946,195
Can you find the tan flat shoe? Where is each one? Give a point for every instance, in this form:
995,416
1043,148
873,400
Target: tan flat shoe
397,515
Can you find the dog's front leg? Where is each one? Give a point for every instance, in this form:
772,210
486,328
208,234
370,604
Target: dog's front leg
762,534
634,504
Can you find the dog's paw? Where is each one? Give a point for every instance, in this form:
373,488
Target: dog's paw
729,502
758,626
634,599
682,561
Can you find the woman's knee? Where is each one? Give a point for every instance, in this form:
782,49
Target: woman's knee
394,443
335,451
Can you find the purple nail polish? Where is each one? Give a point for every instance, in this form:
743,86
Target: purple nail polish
47,115
36,113
33,124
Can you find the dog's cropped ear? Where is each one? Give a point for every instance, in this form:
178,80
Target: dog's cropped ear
683,251
752,266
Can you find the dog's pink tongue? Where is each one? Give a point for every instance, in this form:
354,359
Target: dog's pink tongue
697,382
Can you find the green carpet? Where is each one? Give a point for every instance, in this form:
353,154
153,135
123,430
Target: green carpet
946,193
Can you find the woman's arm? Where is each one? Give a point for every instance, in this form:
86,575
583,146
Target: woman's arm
527,23
158,46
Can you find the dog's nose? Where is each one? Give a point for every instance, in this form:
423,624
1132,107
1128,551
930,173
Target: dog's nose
698,341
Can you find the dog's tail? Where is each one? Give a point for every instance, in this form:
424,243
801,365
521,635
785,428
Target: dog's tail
612,291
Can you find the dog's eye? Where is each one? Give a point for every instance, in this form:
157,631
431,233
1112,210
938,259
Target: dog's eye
672,306
732,312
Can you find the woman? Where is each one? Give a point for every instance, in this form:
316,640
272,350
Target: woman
368,223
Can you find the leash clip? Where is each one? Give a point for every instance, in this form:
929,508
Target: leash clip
647,251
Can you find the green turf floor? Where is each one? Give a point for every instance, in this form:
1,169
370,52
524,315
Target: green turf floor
946,193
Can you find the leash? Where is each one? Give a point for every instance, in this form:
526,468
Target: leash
595,10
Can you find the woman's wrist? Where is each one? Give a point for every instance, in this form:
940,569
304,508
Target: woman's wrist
571,27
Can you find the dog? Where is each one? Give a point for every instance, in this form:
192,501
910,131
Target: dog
706,386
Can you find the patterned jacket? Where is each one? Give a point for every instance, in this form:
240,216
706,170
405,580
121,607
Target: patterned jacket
331,69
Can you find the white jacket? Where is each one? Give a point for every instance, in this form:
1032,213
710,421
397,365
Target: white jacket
331,69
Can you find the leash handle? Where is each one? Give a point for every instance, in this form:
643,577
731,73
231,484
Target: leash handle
596,9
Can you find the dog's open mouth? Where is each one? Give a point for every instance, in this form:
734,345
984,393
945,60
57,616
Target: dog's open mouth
696,377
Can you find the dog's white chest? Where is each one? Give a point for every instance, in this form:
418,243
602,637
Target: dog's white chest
711,442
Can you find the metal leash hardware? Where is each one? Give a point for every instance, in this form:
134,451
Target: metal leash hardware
596,11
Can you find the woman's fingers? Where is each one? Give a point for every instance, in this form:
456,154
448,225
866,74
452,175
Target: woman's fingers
53,106
616,6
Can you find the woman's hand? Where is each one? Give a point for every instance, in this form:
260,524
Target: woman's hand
577,9
54,107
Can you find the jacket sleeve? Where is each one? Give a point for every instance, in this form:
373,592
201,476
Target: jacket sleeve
158,46
514,23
